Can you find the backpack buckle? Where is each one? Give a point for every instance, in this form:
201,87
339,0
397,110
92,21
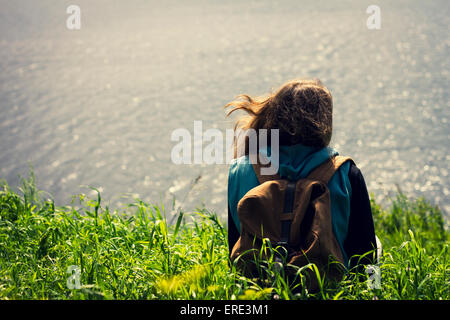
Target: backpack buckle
282,254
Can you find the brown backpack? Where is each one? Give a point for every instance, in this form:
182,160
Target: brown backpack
295,217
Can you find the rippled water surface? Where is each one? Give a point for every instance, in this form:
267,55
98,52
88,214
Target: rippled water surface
97,106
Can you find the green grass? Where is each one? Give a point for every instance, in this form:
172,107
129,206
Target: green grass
134,253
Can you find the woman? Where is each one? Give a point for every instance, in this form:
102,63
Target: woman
302,112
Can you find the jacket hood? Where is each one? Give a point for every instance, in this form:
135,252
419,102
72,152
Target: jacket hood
297,161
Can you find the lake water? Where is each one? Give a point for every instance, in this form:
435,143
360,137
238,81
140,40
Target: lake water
97,106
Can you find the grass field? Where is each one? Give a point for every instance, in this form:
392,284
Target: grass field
87,251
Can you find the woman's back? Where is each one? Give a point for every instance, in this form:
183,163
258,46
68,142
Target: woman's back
301,112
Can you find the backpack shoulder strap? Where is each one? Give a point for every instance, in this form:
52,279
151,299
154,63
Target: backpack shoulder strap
257,168
325,171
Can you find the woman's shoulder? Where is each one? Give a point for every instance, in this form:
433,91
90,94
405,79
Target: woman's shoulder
241,168
355,175
241,176
240,164
353,170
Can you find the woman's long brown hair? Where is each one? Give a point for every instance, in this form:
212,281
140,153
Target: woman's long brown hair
300,109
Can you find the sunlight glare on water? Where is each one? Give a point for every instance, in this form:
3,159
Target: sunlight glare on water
97,106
